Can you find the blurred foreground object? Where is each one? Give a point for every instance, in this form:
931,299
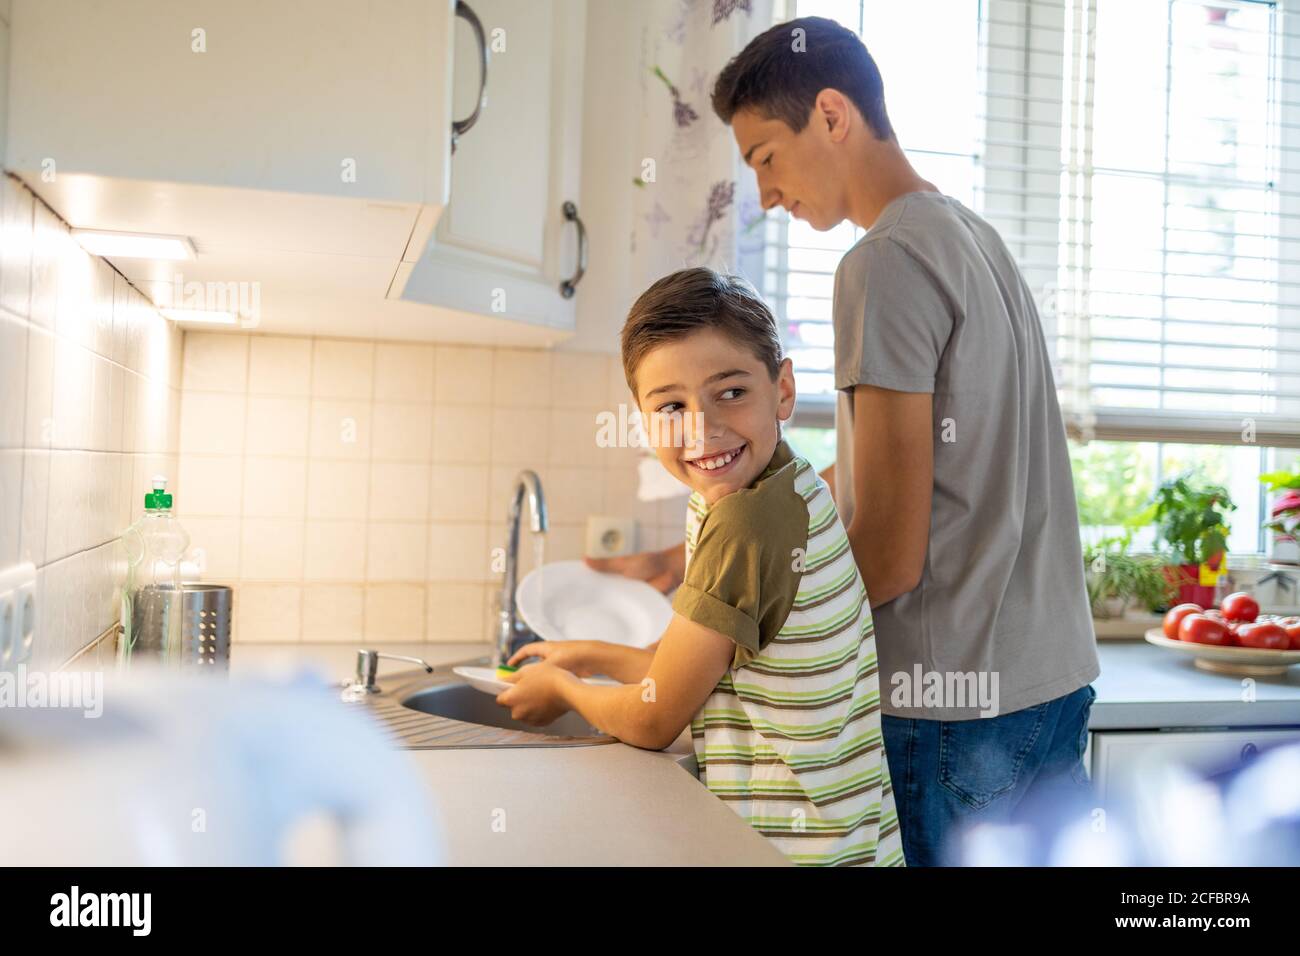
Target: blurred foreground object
181,770
1171,817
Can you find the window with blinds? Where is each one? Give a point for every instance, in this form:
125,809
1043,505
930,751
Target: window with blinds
1139,159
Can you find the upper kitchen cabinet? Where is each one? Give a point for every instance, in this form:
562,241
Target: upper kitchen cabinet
305,148
511,241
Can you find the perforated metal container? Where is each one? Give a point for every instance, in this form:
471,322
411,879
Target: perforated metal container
189,625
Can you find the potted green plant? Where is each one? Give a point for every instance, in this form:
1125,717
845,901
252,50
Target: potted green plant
1118,580
1191,524
1284,515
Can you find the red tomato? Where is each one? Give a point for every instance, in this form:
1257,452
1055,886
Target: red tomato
1240,606
1292,627
1174,616
1202,629
1267,637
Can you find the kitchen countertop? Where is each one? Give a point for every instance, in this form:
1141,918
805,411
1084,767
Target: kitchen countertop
1144,687
607,805
620,805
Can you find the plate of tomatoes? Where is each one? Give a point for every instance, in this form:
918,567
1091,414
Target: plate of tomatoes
1234,638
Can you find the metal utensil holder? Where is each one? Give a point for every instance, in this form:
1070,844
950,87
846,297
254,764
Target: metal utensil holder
187,625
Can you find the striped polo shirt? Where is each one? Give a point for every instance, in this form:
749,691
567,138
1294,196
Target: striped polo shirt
790,738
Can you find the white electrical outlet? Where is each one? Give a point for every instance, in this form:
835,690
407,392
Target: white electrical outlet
17,614
610,537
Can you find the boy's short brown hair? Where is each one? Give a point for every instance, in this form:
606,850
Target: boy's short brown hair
692,299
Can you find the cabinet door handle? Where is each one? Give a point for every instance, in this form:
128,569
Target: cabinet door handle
570,285
464,11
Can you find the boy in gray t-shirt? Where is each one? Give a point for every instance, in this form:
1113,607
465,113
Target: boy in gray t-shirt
952,474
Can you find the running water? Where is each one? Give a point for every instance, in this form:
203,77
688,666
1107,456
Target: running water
539,559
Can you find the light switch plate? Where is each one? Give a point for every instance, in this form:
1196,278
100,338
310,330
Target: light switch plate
609,537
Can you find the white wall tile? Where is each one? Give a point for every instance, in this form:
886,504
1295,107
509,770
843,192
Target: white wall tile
396,551
271,549
268,613
335,551
13,380
11,504
275,487
462,434
455,612
35,505
211,485
520,436
462,375
521,378
573,438
277,425
395,612
47,247
574,493
279,366
216,545
399,492
74,387
340,429
402,432
338,489
404,372
342,369
211,423
459,493
39,414
215,362
101,305
333,612
580,380
459,552
16,220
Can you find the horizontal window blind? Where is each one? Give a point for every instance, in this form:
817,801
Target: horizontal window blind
928,55
1139,157
1179,250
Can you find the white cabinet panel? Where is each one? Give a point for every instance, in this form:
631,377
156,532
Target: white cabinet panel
1119,758
503,246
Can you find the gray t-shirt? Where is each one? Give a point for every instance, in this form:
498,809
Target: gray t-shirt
930,300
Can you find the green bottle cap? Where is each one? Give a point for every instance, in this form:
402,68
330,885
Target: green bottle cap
158,499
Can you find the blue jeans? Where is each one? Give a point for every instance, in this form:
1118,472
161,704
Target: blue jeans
1014,768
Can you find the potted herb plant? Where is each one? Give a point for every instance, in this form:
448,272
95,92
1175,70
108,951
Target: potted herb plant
1118,581
1284,516
1191,523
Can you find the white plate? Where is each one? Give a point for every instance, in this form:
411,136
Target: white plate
482,678
486,680
568,601
1241,661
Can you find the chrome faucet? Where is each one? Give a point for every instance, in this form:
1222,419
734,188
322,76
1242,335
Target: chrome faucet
511,632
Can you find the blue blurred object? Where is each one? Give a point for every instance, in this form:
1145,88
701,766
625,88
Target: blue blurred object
184,770
1172,816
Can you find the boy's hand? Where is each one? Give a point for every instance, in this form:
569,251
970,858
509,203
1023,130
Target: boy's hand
662,570
577,657
537,696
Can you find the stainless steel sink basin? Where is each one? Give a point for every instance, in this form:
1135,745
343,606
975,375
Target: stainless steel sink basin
440,711
464,703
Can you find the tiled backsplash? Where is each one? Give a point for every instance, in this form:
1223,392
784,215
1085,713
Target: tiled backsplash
355,489
89,411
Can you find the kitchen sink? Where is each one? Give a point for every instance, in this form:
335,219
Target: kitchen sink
464,703
441,711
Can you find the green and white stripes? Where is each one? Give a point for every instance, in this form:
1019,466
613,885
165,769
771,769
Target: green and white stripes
792,741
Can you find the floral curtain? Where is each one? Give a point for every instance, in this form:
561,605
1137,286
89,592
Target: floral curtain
696,202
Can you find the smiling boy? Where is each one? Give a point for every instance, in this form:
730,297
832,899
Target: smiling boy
770,655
